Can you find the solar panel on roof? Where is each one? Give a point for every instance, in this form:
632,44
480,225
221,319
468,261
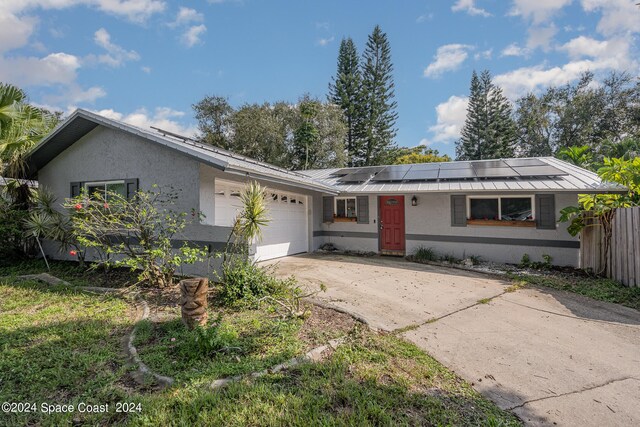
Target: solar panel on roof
546,170
343,172
421,175
487,164
425,166
456,173
455,165
525,162
496,172
392,173
356,177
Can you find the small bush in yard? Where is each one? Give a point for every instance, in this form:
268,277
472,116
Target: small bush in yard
425,254
244,282
11,233
525,261
213,338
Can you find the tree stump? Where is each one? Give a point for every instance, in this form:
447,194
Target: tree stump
193,302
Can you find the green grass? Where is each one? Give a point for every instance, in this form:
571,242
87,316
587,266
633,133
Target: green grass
71,272
373,380
593,287
263,342
59,346
64,347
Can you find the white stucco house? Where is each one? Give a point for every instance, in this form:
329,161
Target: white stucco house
496,209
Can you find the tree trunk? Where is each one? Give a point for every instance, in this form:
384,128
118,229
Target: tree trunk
194,301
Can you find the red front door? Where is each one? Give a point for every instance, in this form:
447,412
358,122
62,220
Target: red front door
392,223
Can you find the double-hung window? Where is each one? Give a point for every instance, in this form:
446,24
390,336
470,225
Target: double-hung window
346,207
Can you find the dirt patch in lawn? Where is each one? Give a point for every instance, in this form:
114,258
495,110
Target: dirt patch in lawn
323,325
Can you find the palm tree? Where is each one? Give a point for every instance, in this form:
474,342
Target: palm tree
248,224
21,127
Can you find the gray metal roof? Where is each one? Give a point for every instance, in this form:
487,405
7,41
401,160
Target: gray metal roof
81,122
573,179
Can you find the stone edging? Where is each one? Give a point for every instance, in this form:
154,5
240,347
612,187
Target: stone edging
133,352
314,355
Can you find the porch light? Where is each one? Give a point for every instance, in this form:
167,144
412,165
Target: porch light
414,201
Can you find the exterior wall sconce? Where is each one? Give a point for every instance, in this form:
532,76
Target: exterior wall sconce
414,201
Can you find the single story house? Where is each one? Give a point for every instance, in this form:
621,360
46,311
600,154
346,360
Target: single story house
495,209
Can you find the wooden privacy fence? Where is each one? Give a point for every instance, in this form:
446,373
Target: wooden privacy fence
624,253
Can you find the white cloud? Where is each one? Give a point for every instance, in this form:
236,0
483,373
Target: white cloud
618,16
134,10
323,26
325,41
485,54
186,16
162,117
14,31
192,36
585,46
55,68
541,37
586,54
448,58
72,95
538,11
451,115
146,70
425,17
469,7
116,56
514,50
17,26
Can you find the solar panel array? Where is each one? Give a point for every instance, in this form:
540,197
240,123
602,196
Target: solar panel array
491,169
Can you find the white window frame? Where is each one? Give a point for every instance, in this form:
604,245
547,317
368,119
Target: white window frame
104,183
500,197
335,206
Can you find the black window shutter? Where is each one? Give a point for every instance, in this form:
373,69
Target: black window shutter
546,211
75,189
363,209
458,211
131,186
327,209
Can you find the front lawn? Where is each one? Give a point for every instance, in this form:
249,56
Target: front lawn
62,346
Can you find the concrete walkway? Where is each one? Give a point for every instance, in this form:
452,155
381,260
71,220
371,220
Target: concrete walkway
551,357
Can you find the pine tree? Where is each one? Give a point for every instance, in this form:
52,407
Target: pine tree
378,93
489,130
346,92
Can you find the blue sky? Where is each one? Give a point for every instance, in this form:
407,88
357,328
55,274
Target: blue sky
148,61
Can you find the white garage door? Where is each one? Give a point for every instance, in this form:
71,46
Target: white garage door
287,231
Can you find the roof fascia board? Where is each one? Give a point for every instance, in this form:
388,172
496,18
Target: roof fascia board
318,188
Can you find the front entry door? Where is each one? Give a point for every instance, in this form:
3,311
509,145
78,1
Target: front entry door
392,224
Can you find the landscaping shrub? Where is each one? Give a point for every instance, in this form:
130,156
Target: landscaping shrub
425,254
244,282
135,232
11,230
218,336
450,259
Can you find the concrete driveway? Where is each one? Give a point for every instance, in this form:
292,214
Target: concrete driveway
551,357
